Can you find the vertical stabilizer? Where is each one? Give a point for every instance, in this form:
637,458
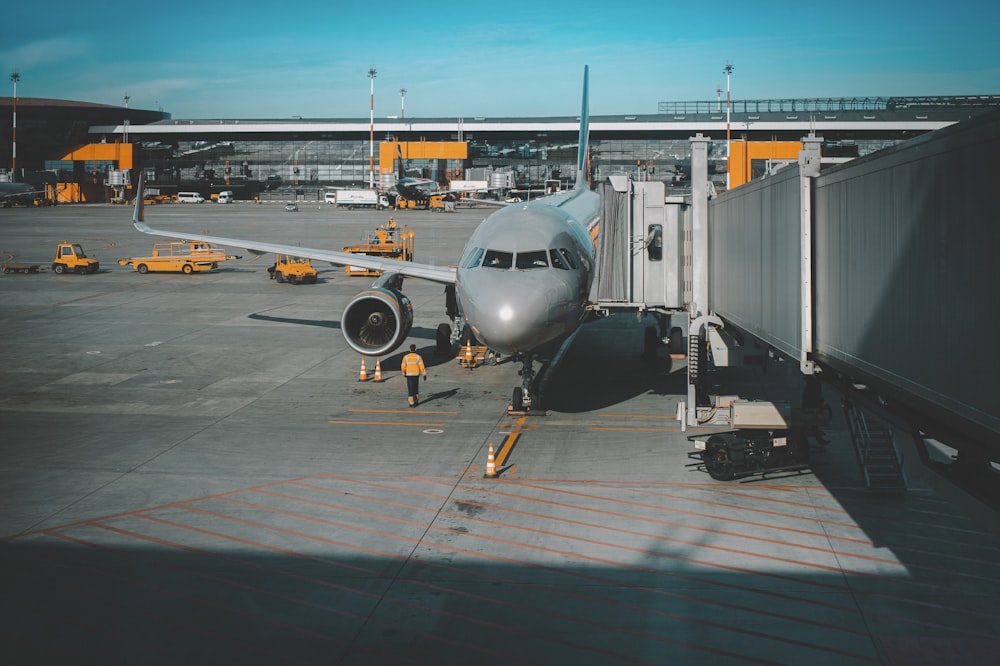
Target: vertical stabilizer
582,156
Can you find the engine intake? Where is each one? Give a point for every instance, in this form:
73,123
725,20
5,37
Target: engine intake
377,321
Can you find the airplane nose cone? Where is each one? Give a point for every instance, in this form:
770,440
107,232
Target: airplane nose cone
512,322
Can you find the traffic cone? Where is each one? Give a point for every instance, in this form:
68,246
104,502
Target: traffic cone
470,362
378,370
491,465
363,375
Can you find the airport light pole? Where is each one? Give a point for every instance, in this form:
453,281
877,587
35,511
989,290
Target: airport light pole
125,126
402,103
728,71
15,77
371,137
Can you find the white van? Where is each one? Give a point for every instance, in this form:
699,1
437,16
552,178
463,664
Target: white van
225,197
331,198
189,197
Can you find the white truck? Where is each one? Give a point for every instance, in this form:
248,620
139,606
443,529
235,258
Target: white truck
352,199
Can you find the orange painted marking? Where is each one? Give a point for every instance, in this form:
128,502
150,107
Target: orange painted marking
386,423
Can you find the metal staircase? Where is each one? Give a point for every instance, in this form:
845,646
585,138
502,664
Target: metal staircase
876,451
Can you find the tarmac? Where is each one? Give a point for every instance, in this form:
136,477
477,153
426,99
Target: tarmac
193,473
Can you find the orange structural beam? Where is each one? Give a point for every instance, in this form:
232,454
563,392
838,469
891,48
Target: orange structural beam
743,153
419,150
113,152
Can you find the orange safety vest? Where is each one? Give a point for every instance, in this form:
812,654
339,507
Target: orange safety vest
412,365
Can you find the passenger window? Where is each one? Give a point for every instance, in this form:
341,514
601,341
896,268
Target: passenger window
498,259
568,257
557,260
654,242
477,255
533,259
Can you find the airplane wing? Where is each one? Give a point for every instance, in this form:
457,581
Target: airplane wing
441,274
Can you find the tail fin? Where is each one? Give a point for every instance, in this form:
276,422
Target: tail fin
400,167
583,155
138,217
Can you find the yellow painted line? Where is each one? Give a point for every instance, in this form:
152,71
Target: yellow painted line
396,411
505,449
637,416
385,423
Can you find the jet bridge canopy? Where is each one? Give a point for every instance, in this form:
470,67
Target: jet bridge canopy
644,248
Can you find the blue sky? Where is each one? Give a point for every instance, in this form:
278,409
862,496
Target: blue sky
493,59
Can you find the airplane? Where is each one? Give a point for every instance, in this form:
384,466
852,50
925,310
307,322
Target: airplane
420,190
520,288
13,193
410,188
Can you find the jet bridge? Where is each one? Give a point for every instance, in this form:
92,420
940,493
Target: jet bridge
643,253
876,272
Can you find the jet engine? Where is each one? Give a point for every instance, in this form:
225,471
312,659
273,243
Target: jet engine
377,320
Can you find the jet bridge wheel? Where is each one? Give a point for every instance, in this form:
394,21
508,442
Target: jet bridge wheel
718,462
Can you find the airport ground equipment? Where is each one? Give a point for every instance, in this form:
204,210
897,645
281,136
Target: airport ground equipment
768,438
472,356
70,258
292,269
19,267
180,256
355,199
386,241
437,203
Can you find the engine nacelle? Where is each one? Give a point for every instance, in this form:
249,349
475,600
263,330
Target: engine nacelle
377,320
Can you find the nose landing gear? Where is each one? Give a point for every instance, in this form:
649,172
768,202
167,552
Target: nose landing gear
521,401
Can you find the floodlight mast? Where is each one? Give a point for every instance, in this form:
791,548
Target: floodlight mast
15,77
728,72
371,134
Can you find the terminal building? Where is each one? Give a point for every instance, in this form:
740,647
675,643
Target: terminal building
90,152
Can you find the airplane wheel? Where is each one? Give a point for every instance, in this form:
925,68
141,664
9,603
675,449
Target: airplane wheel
649,342
443,342
676,340
517,404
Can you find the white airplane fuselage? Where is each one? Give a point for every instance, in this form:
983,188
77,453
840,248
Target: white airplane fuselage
524,306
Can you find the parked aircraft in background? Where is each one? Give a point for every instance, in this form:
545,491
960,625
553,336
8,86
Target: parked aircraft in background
520,288
421,190
18,193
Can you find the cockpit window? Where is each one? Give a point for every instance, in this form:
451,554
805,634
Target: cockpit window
557,261
532,259
475,257
498,259
568,257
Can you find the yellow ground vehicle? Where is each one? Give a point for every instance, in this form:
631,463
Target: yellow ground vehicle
386,241
292,269
183,256
70,258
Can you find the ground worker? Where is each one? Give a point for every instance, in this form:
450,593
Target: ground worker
412,367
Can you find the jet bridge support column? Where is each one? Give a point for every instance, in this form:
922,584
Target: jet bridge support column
809,165
699,269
